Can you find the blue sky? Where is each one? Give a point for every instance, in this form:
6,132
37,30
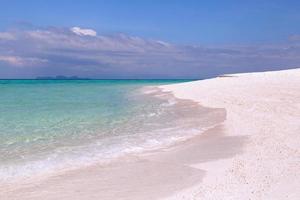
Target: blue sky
196,30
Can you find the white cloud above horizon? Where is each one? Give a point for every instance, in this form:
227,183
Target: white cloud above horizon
83,52
83,32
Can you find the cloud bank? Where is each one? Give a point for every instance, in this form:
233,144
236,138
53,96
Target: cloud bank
26,53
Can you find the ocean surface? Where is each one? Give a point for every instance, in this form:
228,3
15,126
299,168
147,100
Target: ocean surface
48,126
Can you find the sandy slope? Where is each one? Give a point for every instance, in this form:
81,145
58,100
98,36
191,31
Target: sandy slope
266,108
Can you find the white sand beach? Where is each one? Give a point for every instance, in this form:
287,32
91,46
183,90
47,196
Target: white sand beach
265,107
254,153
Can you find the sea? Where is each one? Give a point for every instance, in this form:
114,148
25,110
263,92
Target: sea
49,126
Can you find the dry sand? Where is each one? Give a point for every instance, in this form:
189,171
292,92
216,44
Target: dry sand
265,107
252,154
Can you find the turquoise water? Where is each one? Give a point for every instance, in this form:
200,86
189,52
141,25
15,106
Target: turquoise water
51,125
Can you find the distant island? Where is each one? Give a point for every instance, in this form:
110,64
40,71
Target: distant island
60,78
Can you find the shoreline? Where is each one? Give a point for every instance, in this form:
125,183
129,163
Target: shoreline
196,120
152,175
253,154
164,173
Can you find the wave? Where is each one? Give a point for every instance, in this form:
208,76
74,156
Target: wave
160,121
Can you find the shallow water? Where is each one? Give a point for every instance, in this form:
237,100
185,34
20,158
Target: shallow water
54,125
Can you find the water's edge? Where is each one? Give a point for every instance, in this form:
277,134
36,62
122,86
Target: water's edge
190,120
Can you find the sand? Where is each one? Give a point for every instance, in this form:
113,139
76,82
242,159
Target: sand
253,152
265,107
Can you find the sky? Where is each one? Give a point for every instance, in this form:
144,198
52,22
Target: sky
147,39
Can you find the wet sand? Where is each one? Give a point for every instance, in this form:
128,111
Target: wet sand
153,175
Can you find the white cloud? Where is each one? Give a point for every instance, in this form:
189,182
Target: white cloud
13,60
21,61
6,36
83,32
61,50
